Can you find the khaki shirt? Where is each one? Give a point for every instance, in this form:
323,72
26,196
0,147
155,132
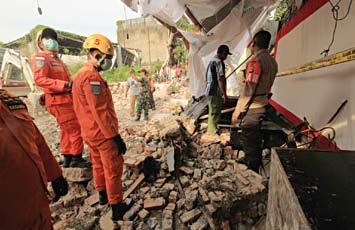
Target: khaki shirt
262,67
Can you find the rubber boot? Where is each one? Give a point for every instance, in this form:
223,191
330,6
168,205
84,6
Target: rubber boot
118,210
103,197
67,161
138,117
79,162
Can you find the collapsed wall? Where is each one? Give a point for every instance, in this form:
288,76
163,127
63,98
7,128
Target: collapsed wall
198,185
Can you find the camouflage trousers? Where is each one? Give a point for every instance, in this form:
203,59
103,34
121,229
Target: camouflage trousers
142,104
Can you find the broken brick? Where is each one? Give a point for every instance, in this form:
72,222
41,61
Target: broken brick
169,186
125,225
204,196
130,162
210,209
77,174
131,212
143,214
144,190
186,170
190,215
191,198
200,224
171,206
154,203
172,197
197,174
184,180
92,200
158,183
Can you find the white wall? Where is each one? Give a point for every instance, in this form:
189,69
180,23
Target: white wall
317,94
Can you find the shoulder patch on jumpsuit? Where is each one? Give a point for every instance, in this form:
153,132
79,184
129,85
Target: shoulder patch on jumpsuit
95,87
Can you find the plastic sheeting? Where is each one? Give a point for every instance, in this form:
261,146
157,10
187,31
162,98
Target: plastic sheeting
235,30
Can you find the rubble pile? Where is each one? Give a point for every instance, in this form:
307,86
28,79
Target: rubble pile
198,186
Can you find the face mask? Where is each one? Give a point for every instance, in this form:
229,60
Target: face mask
106,64
51,45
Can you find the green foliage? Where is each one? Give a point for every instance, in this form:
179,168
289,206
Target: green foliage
180,52
184,24
119,74
1,44
280,11
156,66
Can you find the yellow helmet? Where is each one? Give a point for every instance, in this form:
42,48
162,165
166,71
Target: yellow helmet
100,42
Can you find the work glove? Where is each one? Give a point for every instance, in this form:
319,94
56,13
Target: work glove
42,100
121,146
60,187
68,84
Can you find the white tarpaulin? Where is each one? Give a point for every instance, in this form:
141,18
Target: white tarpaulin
235,30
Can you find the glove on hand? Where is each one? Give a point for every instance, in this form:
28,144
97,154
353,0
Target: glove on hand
60,187
121,146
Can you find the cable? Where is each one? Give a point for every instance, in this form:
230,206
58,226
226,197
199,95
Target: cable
39,8
335,14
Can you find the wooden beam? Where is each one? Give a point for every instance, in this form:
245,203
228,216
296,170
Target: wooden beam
134,186
190,15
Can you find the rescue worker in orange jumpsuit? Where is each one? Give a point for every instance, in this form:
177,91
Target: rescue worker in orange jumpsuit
52,75
94,107
27,164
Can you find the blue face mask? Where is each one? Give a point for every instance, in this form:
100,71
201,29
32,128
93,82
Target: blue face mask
51,45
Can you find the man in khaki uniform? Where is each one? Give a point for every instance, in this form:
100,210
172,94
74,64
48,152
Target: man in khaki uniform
259,78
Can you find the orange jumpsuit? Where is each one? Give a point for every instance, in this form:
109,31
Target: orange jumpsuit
51,74
94,108
26,164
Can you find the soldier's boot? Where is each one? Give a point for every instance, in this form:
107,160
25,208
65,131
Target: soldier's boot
146,116
138,117
79,162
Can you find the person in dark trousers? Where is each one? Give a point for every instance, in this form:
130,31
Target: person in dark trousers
216,87
251,107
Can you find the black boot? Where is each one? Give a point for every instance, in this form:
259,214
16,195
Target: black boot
138,117
103,197
66,161
118,210
146,117
79,162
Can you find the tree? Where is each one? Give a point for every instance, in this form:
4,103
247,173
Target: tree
1,44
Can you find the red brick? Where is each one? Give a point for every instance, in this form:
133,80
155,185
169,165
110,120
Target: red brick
204,196
171,206
189,216
186,170
143,214
154,203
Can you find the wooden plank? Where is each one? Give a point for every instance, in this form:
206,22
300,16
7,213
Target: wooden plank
284,208
134,186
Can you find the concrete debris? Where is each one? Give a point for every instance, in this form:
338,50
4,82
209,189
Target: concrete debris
77,174
199,184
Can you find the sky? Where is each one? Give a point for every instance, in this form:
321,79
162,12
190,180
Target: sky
83,17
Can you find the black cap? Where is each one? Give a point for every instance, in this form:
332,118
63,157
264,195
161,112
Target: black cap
49,33
224,49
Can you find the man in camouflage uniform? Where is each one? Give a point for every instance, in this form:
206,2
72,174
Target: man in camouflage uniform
143,100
